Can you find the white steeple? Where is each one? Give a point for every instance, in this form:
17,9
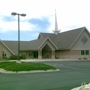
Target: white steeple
56,31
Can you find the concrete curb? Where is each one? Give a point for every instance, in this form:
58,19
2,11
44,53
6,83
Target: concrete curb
46,60
22,72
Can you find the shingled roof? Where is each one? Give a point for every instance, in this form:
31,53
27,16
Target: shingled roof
24,45
65,39
62,41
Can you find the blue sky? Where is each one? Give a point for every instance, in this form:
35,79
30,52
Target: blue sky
41,17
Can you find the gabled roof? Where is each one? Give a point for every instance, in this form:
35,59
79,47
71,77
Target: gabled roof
24,45
7,47
65,39
50,41
61,41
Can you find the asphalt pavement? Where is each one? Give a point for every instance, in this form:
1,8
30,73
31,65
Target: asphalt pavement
72,73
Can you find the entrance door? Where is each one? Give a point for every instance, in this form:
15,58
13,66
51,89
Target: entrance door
36,54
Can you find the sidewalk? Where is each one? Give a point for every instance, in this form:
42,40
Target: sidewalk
41,60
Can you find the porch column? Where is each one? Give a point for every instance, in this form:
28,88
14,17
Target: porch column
39,54
53,54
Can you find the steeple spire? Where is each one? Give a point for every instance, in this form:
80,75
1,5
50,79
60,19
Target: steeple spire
56,31
56,25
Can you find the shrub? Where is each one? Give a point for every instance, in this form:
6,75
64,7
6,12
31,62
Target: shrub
22,56
79,58
14,57
85,58
6,58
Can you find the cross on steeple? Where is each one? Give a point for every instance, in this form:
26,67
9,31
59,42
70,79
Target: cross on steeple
56,31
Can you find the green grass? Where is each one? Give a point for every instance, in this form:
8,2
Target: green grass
25,66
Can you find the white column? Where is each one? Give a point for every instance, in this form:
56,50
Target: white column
39,54
53,54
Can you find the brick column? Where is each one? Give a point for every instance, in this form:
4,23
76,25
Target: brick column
39,54
53,54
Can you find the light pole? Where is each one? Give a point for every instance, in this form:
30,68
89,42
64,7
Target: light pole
14,13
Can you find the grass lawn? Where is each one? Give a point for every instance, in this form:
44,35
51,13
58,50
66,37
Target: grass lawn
25,66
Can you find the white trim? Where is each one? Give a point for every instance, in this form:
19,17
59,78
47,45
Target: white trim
77,38
7,47
52,42
40,36
45,41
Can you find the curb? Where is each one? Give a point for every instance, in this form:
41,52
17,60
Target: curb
22,72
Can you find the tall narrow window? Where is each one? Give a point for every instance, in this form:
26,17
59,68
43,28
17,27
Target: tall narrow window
5,54
82,52
87,52
30,53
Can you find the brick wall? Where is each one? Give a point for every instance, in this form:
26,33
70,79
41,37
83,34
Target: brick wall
75,52
26,53
47,54
66,54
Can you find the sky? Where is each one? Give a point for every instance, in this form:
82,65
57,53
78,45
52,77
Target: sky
40,17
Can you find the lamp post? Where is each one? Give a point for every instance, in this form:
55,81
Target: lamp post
23,15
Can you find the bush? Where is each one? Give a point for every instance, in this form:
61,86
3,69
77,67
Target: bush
85,58
14,57
79,58
6,58
22,56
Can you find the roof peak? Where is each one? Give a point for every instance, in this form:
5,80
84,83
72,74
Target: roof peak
79,28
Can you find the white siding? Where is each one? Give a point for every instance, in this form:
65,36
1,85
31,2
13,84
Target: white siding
8,53
79,45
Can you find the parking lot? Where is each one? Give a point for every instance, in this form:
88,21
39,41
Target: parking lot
71,74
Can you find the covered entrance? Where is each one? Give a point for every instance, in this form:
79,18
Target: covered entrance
47,50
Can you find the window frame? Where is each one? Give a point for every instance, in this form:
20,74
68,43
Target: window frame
30,54
87,52
84,52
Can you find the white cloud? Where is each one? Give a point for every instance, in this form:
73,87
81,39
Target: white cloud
13,26
70,13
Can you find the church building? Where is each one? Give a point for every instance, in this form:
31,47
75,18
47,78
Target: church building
72,44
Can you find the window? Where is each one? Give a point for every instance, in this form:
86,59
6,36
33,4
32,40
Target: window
30,53
84,52
3,54
84,39
87,52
